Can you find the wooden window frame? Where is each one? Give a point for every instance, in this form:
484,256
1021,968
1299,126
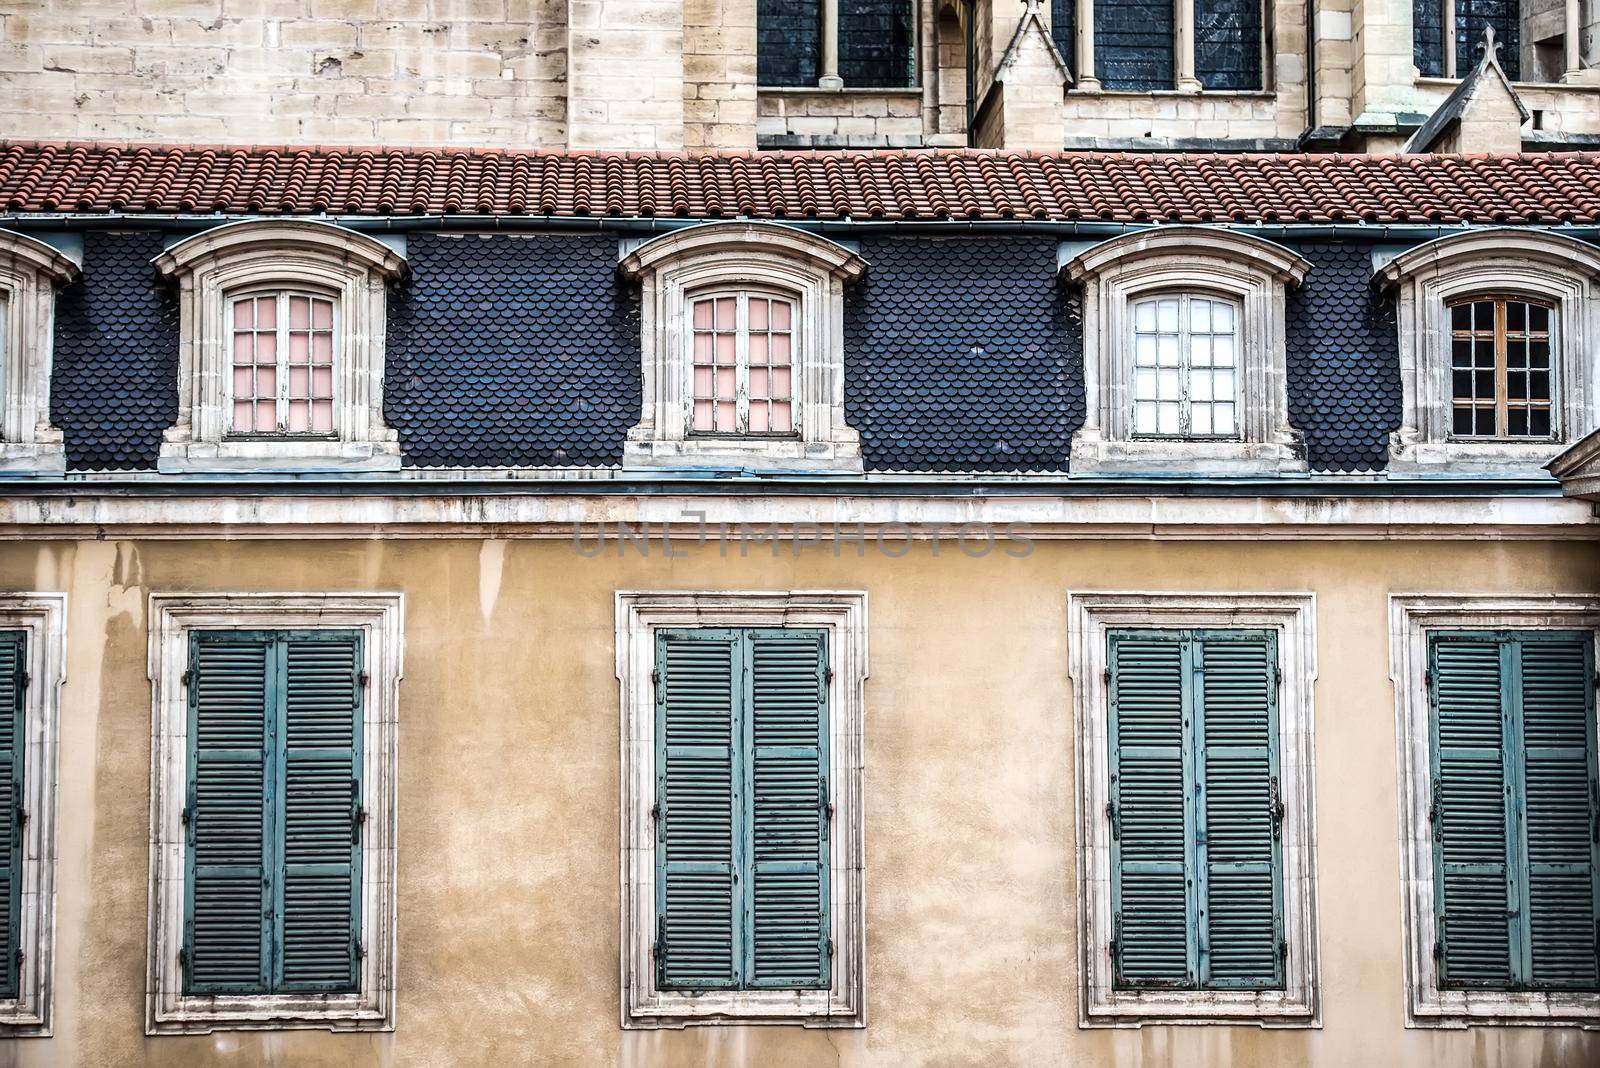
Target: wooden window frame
741,335
1185,367
1499,336
1411,618
379,617
843,615
1091,615
282,296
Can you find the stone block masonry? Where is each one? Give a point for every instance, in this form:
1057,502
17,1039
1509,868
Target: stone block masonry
448,72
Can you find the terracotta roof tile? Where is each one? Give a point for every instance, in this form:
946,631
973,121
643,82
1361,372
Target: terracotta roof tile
900,184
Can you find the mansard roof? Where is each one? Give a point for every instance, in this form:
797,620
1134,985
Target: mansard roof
957,184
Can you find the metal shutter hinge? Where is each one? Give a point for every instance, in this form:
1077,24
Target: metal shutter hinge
655,812
1438,950
1427,678
1105,677
827,675
27,680
1276,807
1433,813
183,960
1116,824
655,677
183,817
188,677
830,947
1283,949
363,678
20,958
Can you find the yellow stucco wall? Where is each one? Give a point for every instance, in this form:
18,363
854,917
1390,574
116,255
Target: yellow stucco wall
508,938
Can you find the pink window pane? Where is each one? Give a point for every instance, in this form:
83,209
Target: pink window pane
727,309
703,419
782,417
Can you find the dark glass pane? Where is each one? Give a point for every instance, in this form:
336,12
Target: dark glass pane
1461,352
1539,318
1461,317
1485,383
1462,423
1539,385
1484,421
1539,353
1133,45
1461,385
1539,423
1516,352
1516,316
875,43
788,41
1483,315
1517,423
1427,36
1517,386
1227,43
1471,17
1064,31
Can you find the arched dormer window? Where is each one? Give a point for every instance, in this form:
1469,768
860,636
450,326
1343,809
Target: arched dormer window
281,349
743,343
30,271
1183,345
1498,339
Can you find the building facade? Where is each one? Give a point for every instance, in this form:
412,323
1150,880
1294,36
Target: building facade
520,541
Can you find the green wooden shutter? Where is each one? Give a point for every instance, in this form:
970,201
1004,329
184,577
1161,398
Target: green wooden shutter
1240,889
1151,824
319,881
699,796
227,942
1196,880
787,892
13,682
1560,824
1472,875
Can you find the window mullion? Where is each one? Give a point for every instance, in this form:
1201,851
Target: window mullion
1502,385
741,348
743,778
1185,370
281,366
1199,944
1514,764
273,782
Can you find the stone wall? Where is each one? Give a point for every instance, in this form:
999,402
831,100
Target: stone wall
459,72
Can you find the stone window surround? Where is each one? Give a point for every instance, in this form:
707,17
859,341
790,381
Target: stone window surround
213,267
1411,616
172,617
1505,262
30,271
1293,615
812,271
1198,259
843,613
43,616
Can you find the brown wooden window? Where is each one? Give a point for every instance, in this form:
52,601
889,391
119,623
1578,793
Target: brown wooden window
1500,368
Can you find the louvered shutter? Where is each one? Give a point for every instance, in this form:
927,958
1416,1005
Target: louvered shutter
698,938
788,886
1154,929
232,677
319,886
13,676
1471,871
1560,822
1240,924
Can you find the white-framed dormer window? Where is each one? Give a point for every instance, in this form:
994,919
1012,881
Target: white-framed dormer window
281,349
1183,345
1499,365
743,349
30,271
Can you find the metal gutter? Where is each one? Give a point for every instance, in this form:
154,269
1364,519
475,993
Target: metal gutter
225,485
1397,232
